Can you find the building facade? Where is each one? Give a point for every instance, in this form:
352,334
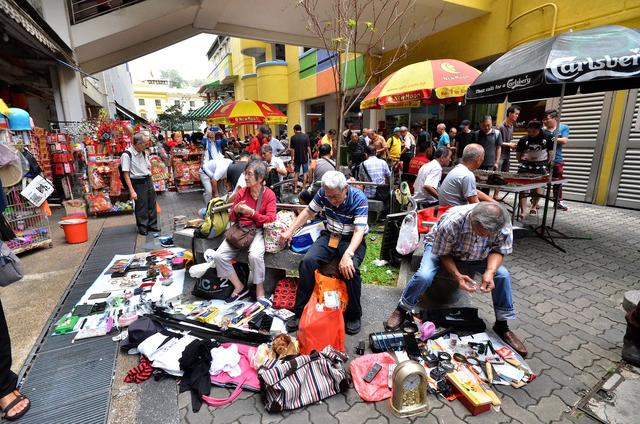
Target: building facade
153,96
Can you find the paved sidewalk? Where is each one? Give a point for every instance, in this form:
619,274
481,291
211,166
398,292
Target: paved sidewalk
569,315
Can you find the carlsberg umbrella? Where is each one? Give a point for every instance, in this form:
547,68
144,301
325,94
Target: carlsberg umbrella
604,58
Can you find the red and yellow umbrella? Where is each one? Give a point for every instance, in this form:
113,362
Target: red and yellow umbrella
431,81
247,112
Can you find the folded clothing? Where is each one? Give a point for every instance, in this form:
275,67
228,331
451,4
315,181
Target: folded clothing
165,351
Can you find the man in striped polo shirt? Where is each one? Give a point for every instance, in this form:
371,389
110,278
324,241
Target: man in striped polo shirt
346,210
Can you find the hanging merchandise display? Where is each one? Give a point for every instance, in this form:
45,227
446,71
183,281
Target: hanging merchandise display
108,194
25,188
186,162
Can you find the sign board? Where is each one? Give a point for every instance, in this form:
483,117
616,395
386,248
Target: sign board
38,190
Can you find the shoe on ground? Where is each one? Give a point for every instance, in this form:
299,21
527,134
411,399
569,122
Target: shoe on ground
142,231
154,229
396,320
233,298
510,338
292,324
352,327
562,206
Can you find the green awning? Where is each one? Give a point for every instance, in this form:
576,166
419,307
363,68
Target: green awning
205,87
203,112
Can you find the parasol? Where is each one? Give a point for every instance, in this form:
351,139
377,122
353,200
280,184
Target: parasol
247,112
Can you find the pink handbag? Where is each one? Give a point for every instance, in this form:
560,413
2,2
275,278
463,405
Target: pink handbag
247,380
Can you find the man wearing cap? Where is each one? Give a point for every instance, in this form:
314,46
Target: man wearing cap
408,148
467,240
534,154
394,145
137,175
346,211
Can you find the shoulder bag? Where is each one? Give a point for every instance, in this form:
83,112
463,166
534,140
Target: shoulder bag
241,236
10,266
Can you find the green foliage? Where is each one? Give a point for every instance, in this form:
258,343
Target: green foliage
372,274
174,77
171,119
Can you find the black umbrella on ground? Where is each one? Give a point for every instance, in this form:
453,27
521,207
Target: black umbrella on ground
605,58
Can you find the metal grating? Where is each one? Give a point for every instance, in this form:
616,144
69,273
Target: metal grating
582,113
629,186
71,383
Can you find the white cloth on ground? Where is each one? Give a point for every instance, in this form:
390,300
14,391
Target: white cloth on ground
225,360
167,357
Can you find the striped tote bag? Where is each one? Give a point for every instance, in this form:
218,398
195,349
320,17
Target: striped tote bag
290,383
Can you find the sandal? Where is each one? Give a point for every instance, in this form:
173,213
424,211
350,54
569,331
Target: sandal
19,398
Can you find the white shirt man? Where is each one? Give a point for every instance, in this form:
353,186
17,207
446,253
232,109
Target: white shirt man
429,176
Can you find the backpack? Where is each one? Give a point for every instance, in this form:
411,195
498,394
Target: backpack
214,223
128,153
210,286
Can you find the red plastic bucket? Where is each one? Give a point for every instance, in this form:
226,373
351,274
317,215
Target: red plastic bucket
75,230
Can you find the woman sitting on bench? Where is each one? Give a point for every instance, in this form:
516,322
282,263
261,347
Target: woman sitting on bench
254,205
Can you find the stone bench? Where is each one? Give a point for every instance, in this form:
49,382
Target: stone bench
276,264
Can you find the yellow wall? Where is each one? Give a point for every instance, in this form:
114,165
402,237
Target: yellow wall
250,88
482,38
294,112
273,85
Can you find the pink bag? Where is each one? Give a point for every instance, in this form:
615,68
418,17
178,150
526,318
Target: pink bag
378,389
248,378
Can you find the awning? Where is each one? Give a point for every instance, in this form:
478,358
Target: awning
202,113
205,87
130,115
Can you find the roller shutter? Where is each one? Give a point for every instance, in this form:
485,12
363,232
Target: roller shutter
625,188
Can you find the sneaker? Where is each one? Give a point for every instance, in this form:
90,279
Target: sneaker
292,324
235,297
562,206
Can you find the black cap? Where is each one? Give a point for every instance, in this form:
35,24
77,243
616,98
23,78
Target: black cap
139,331
534,123
465,123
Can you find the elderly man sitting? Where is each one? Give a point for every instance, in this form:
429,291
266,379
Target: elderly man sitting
346,210
467,239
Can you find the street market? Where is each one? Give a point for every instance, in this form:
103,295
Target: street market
351,232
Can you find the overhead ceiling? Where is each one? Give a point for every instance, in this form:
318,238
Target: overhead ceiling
142,28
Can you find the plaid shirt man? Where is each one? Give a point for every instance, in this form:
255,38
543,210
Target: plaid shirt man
374,170
453,236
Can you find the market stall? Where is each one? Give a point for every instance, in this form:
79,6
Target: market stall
108,194
27,216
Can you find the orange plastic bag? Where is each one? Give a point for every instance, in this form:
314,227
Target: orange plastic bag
325,284
320,328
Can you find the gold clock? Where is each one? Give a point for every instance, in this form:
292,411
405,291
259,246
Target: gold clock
409,393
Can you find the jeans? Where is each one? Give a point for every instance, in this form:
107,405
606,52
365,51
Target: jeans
558,172
321,253
8,379
430,267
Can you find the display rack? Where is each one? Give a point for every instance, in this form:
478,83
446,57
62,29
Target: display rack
185,165
28,222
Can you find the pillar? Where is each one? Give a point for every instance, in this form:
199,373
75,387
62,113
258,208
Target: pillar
71,96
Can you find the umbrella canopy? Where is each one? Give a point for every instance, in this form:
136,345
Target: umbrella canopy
431,81
248,112
598,59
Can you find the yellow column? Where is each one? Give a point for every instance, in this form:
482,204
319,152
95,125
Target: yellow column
610,147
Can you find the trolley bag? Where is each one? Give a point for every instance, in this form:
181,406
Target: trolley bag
214,223
290,383
210,286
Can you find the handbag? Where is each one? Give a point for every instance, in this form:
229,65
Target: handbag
284,295
290,383
11,269
241,236
272,231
